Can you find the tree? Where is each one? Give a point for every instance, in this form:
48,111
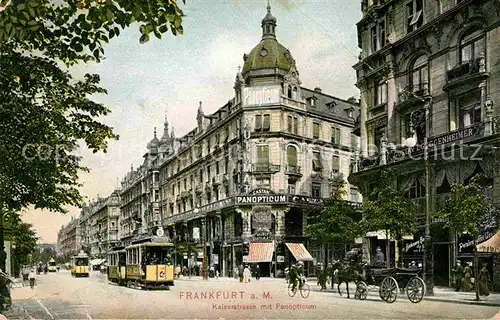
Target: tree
189,249
23,237
46,113
389,210
337,223
465,211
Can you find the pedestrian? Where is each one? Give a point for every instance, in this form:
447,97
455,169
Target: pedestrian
458,273
246,274
484,278
240,272
178,271
217,273
467,278
257,272
32,278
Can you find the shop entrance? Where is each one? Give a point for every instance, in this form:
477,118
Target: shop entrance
441,264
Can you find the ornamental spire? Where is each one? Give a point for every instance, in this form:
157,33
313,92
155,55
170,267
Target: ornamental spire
269,24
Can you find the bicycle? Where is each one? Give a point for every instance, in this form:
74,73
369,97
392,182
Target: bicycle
303,288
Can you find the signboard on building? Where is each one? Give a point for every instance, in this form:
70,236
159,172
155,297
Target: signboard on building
196,233
280,259
262,217
263,234
277,199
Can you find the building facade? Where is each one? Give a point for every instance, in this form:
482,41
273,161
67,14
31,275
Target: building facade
429,71
69,240
242,182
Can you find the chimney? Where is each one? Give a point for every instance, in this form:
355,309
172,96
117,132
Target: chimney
317,89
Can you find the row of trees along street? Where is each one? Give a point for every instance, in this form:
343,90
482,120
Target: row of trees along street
43,106
386,208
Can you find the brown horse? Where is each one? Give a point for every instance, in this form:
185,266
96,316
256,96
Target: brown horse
347,270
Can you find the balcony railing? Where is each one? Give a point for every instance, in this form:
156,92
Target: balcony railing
464,69
410,93
216,180
265,168
293,170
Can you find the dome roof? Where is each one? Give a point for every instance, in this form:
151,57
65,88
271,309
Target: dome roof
268,54
154,142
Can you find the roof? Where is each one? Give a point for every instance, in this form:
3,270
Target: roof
268,54
329,105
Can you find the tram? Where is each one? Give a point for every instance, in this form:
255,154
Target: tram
148,264
116,265
52,265
80,265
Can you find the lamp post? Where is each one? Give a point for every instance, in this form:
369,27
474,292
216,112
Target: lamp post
428,263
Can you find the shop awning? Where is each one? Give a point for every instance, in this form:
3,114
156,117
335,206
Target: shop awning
260,252
299,251
490,245
97,262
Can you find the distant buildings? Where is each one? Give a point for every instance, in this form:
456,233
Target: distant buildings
246,176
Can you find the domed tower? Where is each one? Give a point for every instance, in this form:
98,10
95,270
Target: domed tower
269,62
153,144
166,143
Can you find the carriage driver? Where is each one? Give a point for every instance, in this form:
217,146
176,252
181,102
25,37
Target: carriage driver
379,258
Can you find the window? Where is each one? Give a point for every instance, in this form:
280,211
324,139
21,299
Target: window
335,135
471,46
378,36
290,124
317,165
291,154
263,154
226,164
291,188
217,168
353,193
417,190
378,134
200,177
419,76
415,18
416,126
354,140
316,190
470,109
208,145
335,163
263,122
295,125
381,93
316,130
312,101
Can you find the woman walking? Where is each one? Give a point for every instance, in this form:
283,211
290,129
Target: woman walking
246,274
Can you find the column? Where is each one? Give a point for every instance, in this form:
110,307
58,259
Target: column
392,96
363,118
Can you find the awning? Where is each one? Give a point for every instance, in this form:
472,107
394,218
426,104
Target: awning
490,245
97,262
380,235
299,251
260,252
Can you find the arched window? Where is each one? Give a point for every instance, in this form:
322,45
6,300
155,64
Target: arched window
294,96
419,74
472,45
291,155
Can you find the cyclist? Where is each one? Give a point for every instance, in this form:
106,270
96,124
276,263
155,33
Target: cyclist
296,275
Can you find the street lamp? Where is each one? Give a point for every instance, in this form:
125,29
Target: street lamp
428,263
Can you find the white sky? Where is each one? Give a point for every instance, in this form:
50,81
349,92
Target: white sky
173,74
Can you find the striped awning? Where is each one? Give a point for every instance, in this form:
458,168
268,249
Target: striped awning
299,251
260,252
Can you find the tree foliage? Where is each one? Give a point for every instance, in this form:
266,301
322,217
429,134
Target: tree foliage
388,209
44,112
337,222
24,238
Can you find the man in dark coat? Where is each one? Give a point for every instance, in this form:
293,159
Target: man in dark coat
458,273
257,272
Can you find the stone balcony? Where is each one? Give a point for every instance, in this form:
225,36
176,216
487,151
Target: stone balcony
413,94
217,180
466,71
265,168
293,171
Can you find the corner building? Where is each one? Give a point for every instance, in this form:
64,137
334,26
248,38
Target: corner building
430,70
245,178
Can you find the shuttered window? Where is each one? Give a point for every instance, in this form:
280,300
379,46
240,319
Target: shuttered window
267,122
335,135
315,130
335,163
291,153
258,122
263,154
317,166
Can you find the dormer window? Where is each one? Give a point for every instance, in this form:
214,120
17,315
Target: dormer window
350,113
312,101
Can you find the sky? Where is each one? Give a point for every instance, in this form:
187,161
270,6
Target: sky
170,76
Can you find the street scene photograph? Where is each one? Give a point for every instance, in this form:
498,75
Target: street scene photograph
249,159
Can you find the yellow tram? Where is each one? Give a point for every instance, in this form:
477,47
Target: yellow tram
116,265
80,265
147,264
52,265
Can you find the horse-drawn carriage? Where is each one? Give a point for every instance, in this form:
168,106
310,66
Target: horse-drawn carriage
387,280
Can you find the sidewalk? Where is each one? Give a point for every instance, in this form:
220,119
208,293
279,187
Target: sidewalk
441,294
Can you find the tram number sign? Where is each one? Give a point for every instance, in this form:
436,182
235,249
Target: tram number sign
162,274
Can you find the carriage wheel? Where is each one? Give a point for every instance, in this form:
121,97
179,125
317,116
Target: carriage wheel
304,290
291,292
415,289
361,290
389,289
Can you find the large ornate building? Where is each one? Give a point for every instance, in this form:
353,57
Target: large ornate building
68,240
245,178
429,71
